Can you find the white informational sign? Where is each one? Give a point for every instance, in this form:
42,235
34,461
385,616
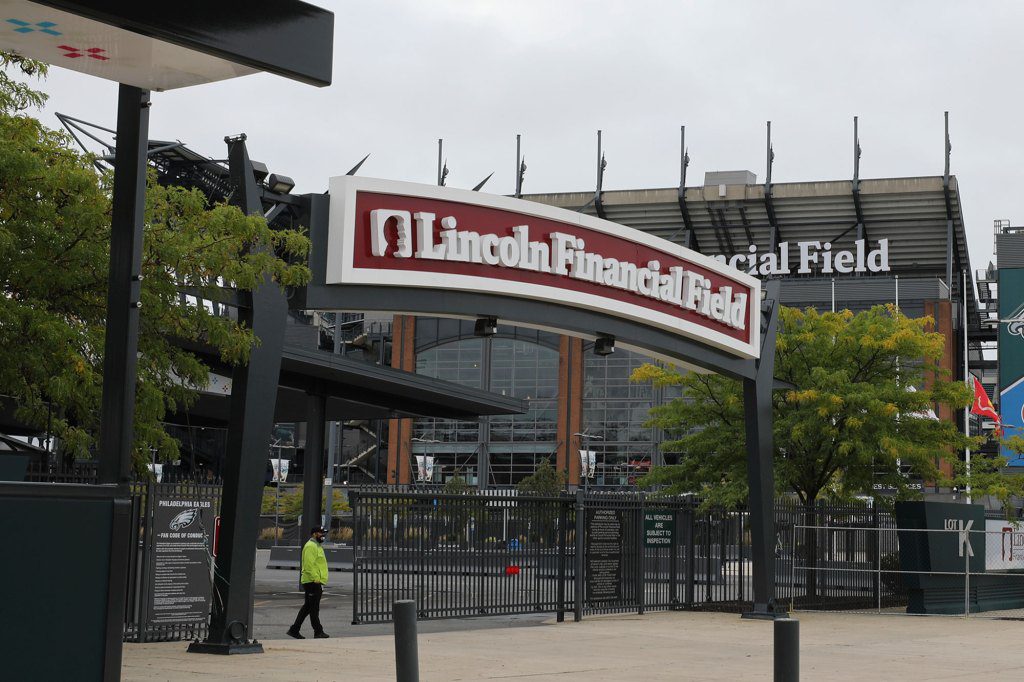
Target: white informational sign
157,470
588,463
1004,545
280,469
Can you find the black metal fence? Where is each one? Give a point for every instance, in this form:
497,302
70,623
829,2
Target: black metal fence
838,558
471,555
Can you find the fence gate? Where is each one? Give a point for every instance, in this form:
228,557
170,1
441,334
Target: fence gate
472,555
460,555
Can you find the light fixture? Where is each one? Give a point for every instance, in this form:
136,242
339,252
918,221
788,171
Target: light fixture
280,183
259,170
604,345
486,326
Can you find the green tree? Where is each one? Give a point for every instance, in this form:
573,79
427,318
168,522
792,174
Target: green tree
860,403
54,254
546,481
989,477
457,485
288,504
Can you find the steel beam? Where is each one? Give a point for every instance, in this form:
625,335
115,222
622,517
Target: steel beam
769,204
124,287
684,162
952,250
757,403
861,228
601,165
253,397
313,463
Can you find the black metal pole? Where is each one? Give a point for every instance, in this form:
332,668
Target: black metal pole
124,286
313,465
787,650
406,650
757,403
578,562
250,420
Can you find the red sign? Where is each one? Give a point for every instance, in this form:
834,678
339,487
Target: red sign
401,234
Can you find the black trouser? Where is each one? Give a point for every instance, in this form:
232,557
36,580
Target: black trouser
310,607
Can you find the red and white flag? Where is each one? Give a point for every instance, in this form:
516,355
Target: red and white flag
982,405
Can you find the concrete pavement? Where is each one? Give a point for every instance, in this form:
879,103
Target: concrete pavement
656,646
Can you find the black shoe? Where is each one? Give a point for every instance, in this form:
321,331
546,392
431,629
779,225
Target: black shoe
321,635
292,632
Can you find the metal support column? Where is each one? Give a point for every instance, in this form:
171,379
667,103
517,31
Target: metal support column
483,459
757,402
124,287
251,418
601,165
313,464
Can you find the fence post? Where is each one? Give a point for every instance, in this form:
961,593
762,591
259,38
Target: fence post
878,558
641,572
421,590
148,565
357,538
673,561
579,559
563,539
967,575
691,553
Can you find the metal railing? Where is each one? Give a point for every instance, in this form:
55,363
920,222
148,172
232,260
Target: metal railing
969,573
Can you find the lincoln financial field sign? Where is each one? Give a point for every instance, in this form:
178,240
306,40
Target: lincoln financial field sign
812,257
401,234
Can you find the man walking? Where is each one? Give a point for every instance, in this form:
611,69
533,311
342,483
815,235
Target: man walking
313,578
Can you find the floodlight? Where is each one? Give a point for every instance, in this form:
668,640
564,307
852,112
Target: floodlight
604,345
280,183
486,326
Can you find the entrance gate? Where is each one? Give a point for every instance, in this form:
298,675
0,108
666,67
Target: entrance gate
461,556
435,251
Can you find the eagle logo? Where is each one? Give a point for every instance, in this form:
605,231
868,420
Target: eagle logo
1015,324
184,519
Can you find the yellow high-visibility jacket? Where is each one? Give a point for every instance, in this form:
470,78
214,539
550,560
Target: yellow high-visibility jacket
314,563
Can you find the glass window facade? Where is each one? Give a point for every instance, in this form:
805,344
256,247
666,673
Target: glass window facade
525,364
459,362
522,364
614,412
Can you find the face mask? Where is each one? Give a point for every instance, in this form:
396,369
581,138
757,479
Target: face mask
319,538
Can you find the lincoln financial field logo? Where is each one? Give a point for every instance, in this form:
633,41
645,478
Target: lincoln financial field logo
184,519
1012,543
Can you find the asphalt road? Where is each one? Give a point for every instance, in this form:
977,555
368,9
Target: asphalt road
278,598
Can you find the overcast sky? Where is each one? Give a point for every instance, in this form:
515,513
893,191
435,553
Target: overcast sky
477,72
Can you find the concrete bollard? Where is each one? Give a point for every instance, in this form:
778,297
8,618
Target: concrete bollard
406,651
787,650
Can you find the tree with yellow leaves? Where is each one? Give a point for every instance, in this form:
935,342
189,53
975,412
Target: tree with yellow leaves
865,390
